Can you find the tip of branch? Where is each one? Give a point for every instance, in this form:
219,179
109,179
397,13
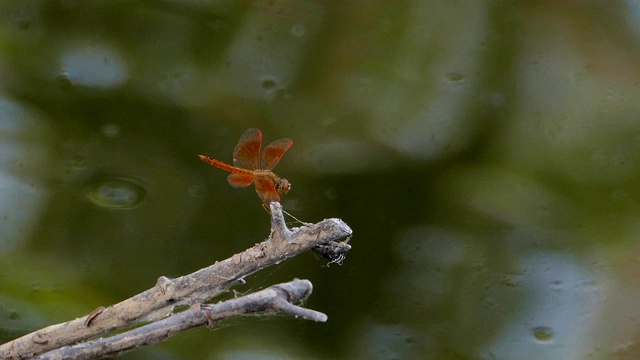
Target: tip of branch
339,228
298,290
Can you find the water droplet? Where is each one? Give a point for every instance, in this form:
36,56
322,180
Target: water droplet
591,285
110,130
116,194
329,121
23,24
298,30
455,77
557,284
64,80
543,334
510,280
331,193
269,83
75,165
13,315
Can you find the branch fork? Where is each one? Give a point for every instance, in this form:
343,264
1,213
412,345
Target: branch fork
157,304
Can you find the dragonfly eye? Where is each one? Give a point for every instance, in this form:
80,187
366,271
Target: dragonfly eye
283,186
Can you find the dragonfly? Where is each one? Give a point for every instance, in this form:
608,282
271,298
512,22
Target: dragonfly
249,168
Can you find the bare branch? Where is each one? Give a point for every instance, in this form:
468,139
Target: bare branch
200,286
275,299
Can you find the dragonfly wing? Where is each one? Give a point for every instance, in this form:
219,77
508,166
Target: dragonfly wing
266,190
247,153
240,180
274,151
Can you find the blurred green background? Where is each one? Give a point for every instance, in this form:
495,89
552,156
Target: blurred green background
485,154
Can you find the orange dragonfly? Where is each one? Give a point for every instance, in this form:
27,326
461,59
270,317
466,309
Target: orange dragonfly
250,169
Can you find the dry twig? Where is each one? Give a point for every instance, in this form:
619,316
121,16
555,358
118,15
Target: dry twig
275,299
198,287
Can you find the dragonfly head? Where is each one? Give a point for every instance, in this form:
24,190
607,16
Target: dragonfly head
283,186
